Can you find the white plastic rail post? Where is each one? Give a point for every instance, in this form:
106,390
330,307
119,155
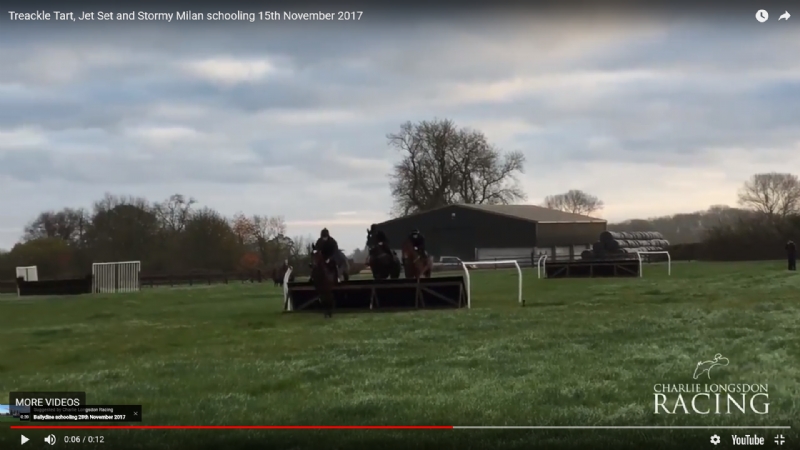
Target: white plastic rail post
541,266
468,283
286,302
669,261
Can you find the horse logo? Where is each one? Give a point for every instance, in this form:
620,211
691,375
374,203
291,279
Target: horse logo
704,367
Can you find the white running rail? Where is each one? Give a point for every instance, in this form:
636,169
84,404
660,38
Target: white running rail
464,265
541,264
287,305
669,261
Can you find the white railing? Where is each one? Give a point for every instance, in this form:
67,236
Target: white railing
669,261
467,281
28,273
541,266
287,305
113,277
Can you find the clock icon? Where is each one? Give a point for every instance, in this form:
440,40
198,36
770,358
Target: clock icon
762,15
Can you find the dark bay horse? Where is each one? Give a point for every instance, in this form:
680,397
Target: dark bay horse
383,264
415,265
324,279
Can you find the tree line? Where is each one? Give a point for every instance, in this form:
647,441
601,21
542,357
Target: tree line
767,217
169,236
440,164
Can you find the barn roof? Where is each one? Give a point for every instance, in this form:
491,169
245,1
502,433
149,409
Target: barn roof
531,213
535,213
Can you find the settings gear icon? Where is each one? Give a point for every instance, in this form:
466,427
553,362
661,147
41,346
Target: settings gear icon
715,439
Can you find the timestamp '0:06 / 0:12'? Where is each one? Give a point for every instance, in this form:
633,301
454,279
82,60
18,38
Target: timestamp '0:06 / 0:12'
84,439
320,16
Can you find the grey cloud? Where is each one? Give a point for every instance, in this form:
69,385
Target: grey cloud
36,165
713,87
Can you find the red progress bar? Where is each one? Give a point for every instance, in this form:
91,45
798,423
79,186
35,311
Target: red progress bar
224,427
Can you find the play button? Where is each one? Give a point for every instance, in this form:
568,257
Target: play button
23,439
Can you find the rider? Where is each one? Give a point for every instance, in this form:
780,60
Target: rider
418,240
381,239
328,247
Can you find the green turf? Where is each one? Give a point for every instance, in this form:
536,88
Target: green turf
582,352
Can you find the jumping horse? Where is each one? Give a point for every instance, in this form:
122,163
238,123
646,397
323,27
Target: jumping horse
383,264
324,279
415,265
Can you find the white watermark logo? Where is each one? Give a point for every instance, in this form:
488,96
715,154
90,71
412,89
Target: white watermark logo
711,398
704,367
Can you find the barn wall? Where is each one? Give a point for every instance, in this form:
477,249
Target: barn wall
458,231
568,234
504,253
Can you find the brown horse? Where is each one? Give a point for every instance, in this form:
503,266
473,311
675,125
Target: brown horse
323,278
414,264
382,262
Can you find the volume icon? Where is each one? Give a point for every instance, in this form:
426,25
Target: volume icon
50,439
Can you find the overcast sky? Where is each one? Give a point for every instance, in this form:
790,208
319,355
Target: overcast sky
654,115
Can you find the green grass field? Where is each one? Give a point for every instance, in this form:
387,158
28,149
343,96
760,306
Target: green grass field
582,352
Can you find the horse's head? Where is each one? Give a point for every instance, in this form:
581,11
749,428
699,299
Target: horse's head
370,239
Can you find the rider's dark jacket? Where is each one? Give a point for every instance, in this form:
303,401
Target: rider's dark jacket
328,248
381,239
418,240
791,250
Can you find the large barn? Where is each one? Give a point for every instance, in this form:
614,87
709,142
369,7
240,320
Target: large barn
485,232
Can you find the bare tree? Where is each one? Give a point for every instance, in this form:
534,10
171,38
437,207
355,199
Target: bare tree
244,229
359,255
67,224
265,229
443,164
774,194
301,246
174,212
574,201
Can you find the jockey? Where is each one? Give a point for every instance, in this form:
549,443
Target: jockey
418,240
328,247
381,241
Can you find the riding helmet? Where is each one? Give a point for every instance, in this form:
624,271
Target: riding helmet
325,233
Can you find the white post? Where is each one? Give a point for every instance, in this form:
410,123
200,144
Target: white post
541,266
468,282
669,261
286,302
